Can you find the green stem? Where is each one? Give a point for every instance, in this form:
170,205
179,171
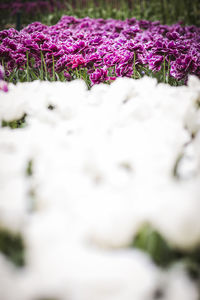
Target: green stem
114,70
168,69
41,67
27,66
44,63
77,74
164,71
53,68
134,65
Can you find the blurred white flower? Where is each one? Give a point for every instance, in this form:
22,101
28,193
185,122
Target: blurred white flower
101,163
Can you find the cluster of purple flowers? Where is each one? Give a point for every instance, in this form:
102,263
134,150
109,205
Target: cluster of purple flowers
106,49
31,7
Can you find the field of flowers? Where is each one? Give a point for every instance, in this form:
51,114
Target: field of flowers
100,150
99,50
99,194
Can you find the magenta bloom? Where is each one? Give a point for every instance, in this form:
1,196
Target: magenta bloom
78,61
93,59
103,45
3,86
155,62
124,70
184,65
67,76
99,75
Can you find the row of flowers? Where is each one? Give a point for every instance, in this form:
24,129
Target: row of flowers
106,49
89,179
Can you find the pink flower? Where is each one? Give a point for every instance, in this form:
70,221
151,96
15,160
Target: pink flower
3,86
99,75
67,76
78,61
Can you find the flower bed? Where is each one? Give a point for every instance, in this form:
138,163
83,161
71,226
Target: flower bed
88,178
100,50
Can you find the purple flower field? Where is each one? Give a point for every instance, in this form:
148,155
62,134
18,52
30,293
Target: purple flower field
103,49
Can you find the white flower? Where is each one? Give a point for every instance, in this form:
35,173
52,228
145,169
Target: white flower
104,162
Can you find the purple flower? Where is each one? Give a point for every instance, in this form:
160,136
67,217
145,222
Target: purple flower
11,65
172,35
102,44
99,75
9,43
61,63
131,32
20,60
176,72
144,24
78,61
3,86
78,47
185,64
96,41
39,37
30,44
53,48
45,46
155,62
67,76
131,21
111,60
124,70
93,60
160,47
135,47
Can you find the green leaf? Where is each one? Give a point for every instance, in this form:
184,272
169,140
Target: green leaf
12,246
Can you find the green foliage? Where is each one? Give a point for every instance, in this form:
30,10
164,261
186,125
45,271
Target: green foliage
29,169
15,123
12,246
152,242
30,73
167,11
164,254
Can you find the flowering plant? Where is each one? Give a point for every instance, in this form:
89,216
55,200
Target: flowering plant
128,48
